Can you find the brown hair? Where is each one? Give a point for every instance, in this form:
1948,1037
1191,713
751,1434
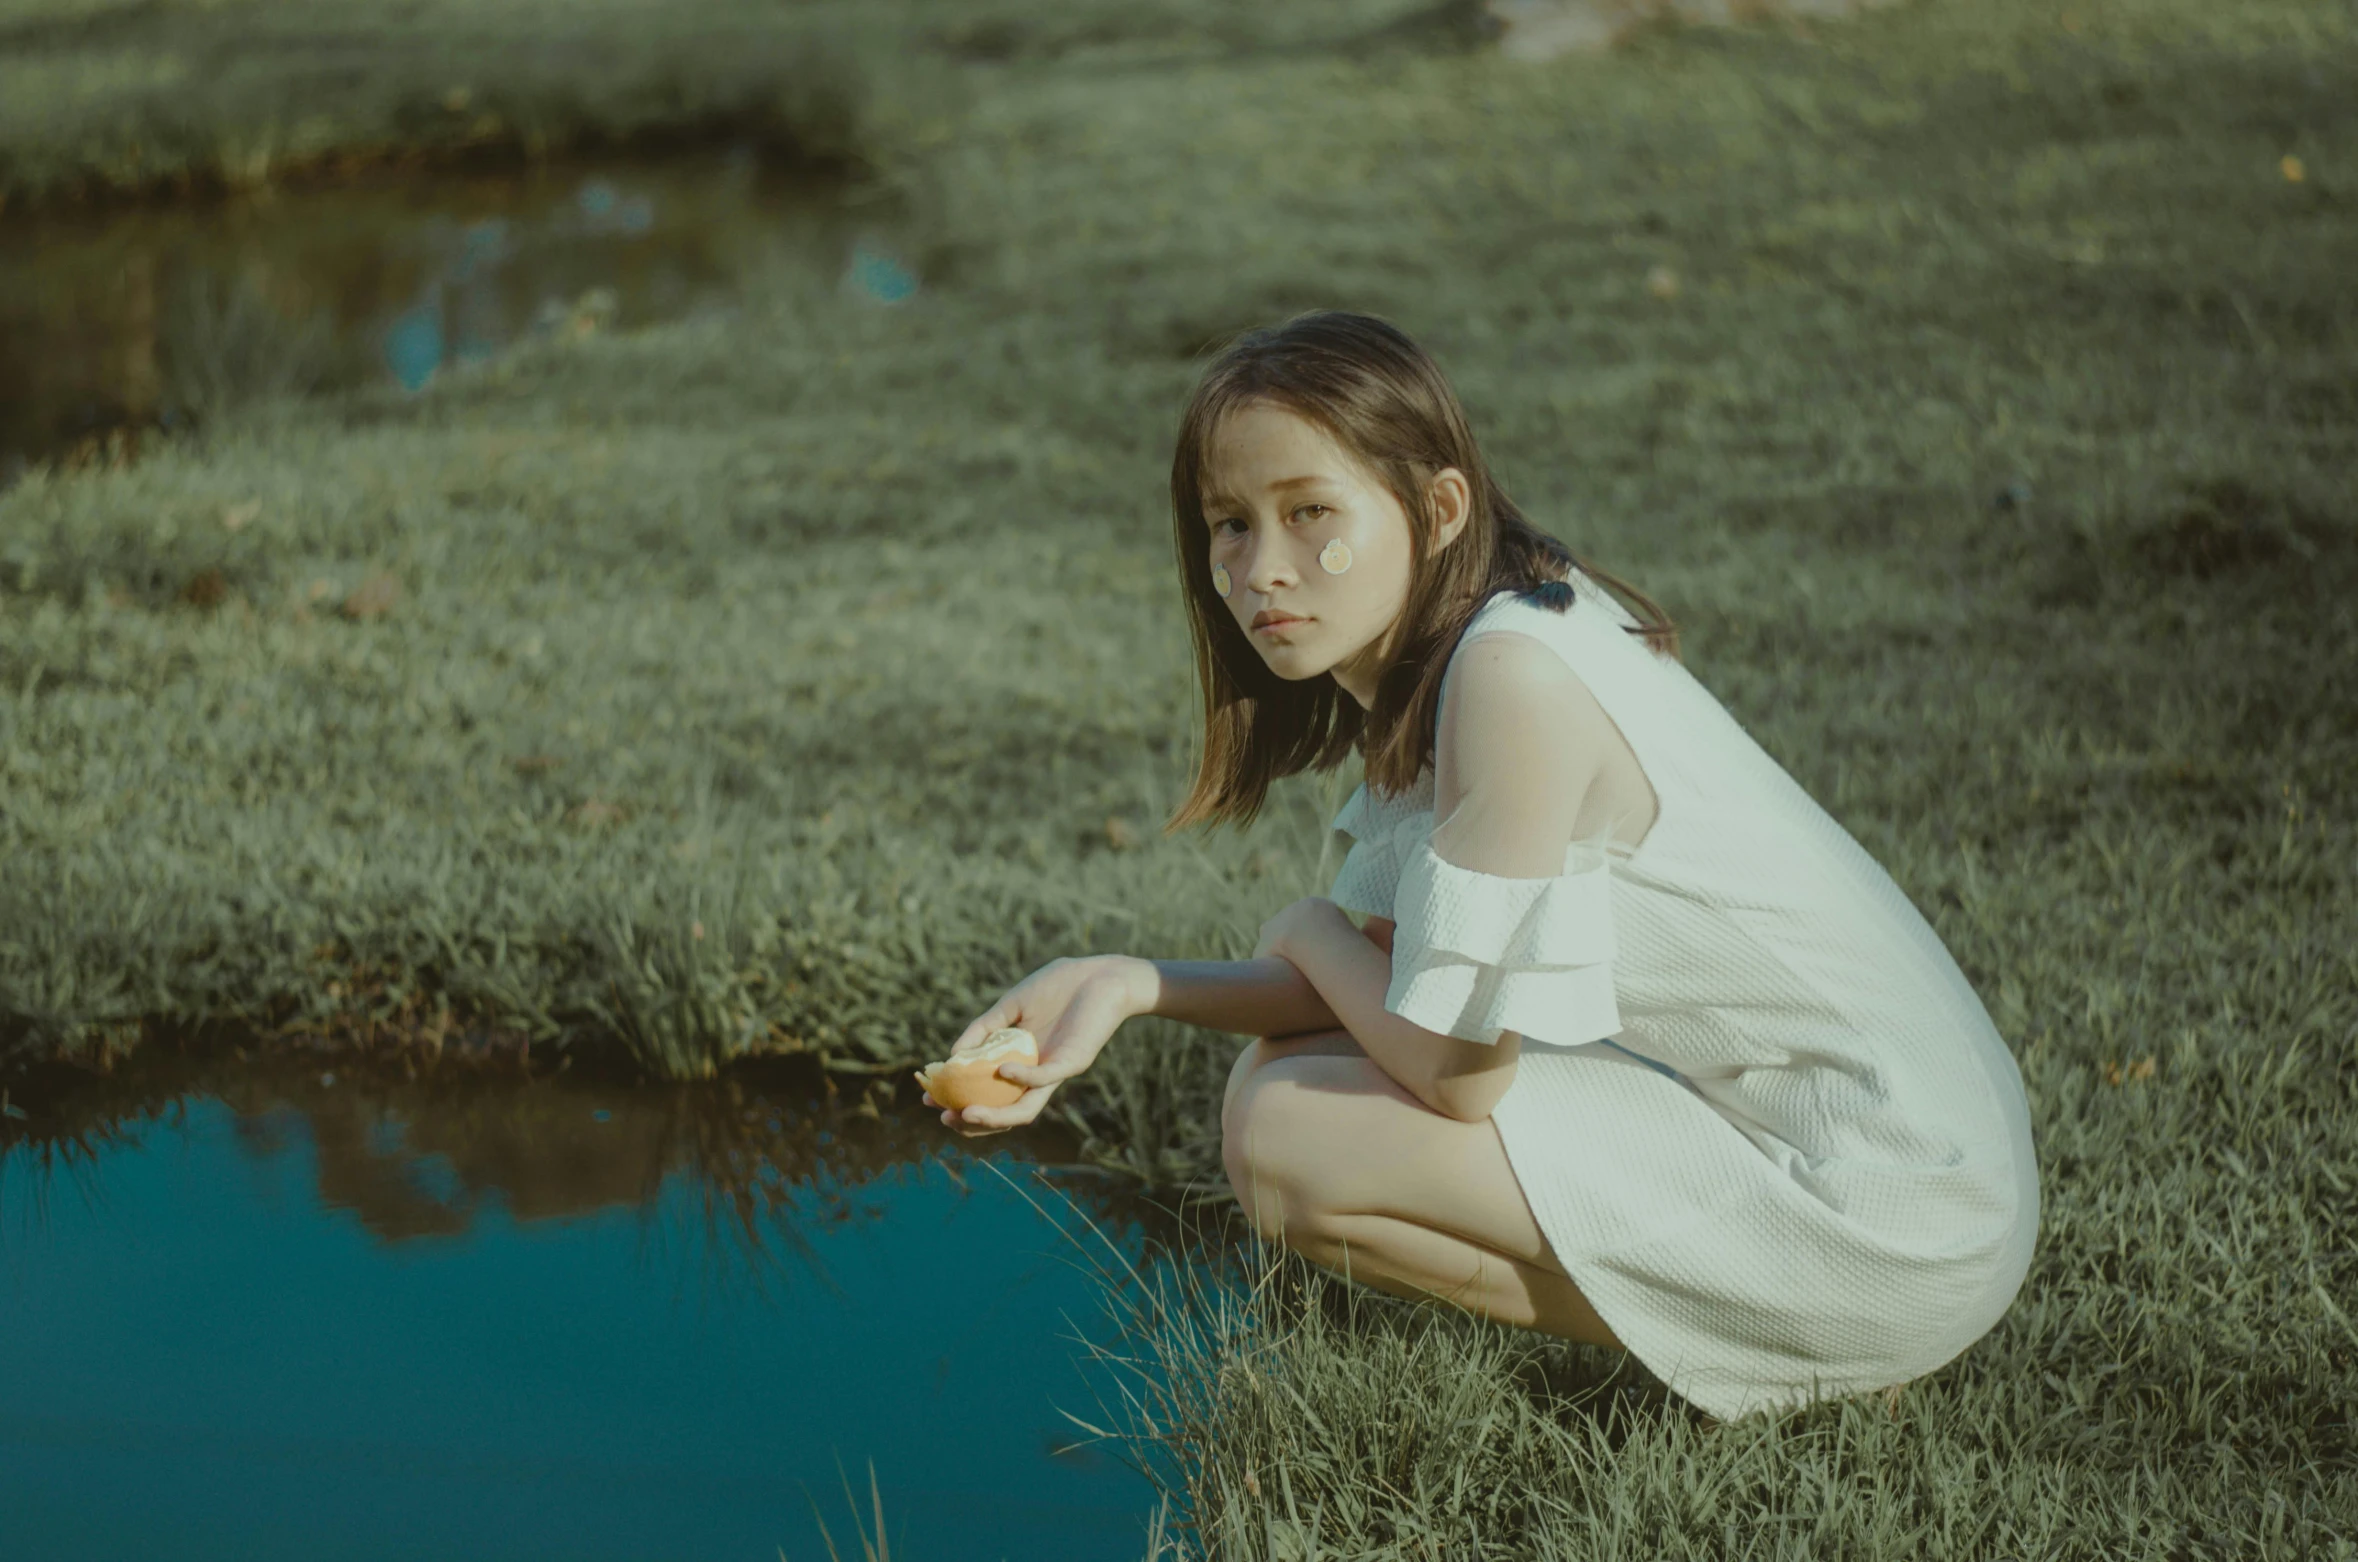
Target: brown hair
1383,399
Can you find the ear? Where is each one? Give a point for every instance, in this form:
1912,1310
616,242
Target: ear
1453,504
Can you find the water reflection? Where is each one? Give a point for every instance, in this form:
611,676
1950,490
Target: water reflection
135,320
413,1157
388,1316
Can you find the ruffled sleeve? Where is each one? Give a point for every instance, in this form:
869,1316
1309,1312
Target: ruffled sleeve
1475,953
1369,878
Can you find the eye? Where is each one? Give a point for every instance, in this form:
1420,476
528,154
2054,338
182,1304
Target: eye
1301,508
1230,521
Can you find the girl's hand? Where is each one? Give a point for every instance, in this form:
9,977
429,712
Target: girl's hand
1072,1006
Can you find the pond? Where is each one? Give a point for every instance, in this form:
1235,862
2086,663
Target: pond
277,1310
117,322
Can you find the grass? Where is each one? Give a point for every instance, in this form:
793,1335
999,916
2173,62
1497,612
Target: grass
878,1550
102,99
797,684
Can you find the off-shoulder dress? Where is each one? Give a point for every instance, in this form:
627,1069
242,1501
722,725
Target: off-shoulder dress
1760,1115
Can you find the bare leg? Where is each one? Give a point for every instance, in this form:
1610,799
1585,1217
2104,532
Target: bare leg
1329,1155
1267,1049
1410,1260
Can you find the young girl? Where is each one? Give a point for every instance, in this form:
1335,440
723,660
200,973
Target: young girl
1637,1046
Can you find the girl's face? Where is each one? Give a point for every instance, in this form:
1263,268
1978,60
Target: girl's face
1311,540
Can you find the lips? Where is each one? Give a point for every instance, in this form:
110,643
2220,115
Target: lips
1268,620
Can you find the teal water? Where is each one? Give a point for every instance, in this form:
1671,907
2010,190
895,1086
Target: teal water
141,319
295,1330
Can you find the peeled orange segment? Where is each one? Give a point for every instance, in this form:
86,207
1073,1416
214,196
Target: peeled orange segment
967,1079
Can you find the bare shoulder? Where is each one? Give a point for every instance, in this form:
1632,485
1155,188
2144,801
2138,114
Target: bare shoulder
1506,678
1511,706
1518,653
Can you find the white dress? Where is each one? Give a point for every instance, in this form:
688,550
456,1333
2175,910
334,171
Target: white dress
1761,1117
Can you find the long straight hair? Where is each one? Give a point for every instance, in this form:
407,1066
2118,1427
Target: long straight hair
1381,398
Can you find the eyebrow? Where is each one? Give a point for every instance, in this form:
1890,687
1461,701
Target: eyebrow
1283,483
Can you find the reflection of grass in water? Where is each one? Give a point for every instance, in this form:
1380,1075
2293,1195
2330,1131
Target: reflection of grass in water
223,343
31,1167
738,1174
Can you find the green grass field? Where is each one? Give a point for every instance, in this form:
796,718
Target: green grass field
771,687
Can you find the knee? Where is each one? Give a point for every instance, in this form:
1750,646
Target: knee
1252,1150
1262,1051
1257,1193
1248,1058
1232,1116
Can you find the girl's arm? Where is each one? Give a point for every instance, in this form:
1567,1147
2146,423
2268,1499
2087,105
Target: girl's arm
1457,1078
1264,997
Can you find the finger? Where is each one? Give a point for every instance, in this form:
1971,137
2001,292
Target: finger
993,1018
1026,1108
998,1119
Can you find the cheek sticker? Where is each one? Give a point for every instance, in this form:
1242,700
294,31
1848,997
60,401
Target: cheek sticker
1220,580
1335,557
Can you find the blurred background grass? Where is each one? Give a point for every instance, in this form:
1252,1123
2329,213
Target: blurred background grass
1977,384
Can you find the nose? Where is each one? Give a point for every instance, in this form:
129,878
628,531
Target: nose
1269,562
